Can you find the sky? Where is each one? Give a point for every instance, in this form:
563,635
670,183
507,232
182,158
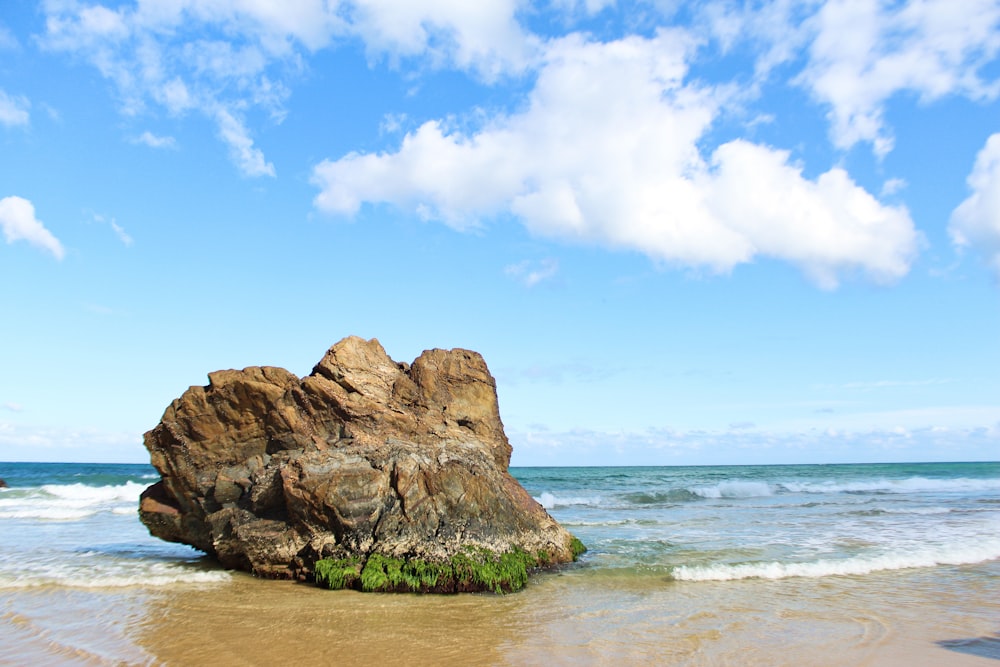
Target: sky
680,233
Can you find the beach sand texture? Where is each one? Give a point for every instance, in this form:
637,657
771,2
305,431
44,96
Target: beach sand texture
944,616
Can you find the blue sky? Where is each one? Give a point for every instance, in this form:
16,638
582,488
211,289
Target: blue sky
679,233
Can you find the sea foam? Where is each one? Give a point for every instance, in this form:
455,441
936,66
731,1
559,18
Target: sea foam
895,486
968,554
733,489
69,502
550,501
101,575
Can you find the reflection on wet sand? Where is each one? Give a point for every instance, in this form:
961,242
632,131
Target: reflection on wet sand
255,622
585,617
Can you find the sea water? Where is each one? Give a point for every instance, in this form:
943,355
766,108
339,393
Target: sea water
77,525
724,523
686,565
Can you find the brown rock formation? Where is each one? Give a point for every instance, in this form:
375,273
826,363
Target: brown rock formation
270,473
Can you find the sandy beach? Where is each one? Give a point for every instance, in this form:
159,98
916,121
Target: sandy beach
944,616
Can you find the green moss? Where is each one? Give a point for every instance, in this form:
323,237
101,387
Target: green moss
477,567
472,569
576,546
384,573
426,574
338,573
375,575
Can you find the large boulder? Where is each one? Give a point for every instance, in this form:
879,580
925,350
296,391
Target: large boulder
364,457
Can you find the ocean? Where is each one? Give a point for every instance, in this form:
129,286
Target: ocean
768,565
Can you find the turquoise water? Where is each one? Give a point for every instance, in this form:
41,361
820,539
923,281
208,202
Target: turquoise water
738,522
76,524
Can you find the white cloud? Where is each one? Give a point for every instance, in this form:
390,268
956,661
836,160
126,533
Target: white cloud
482,36
119,231
213,58
11,406
530,273
18,221
825,227
13,109
225,58
865,52
976,221
607,151
154,141
893,186
122,235
234,133
777,29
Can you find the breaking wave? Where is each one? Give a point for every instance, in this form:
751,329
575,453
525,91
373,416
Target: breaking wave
857,565
895,486
734,489
69,502
550,501
104,576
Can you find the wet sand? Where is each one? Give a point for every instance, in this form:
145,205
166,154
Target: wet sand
934,616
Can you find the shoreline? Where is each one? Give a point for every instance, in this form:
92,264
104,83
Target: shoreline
83,583
930,616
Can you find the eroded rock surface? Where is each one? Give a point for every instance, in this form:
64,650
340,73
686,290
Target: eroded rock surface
270,473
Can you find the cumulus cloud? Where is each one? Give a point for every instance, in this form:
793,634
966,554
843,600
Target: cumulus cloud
18,221
13,109
976,221
865,52
607,151
484,36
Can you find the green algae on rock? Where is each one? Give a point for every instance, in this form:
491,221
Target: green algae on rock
471,569
367,474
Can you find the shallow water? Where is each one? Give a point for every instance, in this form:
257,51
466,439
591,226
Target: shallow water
580,616
798,565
